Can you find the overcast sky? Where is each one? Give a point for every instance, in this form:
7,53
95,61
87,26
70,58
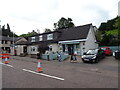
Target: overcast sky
24,16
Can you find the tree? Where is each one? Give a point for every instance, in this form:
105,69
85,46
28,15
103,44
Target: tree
64,23
29,34
7,32
47,30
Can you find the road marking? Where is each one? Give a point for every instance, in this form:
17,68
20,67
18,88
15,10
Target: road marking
6,65
43,74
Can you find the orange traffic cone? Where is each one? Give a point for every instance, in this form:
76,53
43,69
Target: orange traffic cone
6,60
39,67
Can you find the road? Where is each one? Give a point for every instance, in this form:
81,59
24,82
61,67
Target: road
22,74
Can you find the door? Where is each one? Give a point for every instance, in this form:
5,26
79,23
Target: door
70,49
24,49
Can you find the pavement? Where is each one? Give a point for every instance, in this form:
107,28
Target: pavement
29,59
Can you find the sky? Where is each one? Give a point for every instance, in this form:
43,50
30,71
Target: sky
24,16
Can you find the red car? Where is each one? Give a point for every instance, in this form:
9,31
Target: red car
106,50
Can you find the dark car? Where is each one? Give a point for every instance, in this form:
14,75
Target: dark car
93,55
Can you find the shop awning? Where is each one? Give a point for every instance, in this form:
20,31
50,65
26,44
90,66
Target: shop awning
70,43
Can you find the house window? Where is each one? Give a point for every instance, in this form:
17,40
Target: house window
33,48
11,42
2,42
33,39
50,48
49,36
5,42
83,43
40,38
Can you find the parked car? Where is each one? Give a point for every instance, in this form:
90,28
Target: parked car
93,55
116,54
107,50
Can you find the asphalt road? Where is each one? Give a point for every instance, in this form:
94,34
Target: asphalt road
22,74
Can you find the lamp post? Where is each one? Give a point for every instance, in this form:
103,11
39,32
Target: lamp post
13,41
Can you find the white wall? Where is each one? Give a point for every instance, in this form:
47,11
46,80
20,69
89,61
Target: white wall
32,52
91,41
19,49
54,47
82,47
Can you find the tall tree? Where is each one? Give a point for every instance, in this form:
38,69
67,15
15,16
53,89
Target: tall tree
8,28
64,23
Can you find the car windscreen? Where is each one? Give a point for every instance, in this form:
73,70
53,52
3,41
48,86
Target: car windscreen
92,52
103,48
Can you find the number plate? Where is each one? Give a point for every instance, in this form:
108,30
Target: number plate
86,59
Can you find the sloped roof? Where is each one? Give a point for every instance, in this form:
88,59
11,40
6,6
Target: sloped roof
75,33
8,38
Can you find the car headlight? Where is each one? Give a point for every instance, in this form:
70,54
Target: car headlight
94,57
83,56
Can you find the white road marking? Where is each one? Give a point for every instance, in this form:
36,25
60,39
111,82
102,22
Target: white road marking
6,65
43,74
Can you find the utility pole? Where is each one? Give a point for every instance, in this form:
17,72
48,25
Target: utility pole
13,41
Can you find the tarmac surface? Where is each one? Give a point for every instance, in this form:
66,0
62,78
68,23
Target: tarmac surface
21,73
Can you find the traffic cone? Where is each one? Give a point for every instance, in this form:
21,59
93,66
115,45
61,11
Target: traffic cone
39,67
6,60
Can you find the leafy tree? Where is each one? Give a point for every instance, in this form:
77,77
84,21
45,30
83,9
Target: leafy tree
64,23
7,32
29,34
47,30
109,25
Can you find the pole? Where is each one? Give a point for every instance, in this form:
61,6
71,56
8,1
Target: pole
13,42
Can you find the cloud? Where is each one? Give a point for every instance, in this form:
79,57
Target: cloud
26,15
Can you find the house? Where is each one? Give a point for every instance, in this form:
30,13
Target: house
6,44
21,46
79,39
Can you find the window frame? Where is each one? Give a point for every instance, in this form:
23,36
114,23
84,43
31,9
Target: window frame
40,37
32,39
50,36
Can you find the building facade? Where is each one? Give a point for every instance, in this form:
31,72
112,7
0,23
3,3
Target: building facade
76,39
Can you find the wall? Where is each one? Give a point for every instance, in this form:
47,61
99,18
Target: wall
91,41
54,47
32,52
19,49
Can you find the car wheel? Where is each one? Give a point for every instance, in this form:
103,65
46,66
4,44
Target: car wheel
96,61
83,60
93,61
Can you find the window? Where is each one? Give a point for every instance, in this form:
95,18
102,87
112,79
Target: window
5,42
2,42
49,36
40,38
83,43
11,42
33,39
50,48
33,48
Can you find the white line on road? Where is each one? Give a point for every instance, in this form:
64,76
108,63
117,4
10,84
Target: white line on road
43,74
6,65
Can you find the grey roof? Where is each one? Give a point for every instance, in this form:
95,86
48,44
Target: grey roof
75,33
7,38
22,43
